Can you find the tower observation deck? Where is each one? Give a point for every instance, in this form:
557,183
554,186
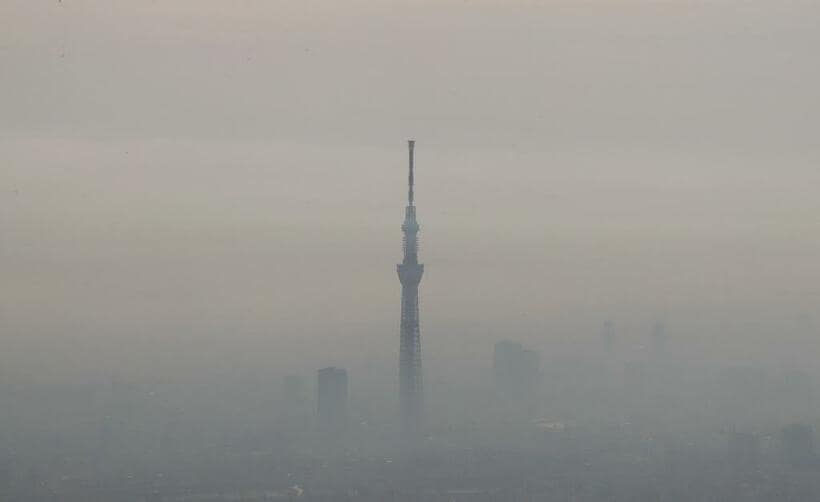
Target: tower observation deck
410,272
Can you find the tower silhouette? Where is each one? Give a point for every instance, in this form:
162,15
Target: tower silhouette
410,272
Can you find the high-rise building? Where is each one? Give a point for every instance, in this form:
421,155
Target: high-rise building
332,398
410,272
505,358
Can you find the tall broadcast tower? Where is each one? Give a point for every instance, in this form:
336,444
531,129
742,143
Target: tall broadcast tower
410,271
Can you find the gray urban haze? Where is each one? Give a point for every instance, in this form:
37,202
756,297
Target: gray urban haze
201,206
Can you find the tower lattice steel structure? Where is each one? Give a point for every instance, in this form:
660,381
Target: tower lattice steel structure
410,272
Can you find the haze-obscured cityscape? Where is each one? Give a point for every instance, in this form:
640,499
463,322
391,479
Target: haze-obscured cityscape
616,423
454,251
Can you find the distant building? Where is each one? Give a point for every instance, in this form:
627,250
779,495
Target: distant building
797,441
504,358
515,369
332,398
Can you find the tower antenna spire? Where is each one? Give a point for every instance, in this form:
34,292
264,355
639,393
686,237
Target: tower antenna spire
411,145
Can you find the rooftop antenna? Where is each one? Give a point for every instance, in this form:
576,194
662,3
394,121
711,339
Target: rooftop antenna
411,144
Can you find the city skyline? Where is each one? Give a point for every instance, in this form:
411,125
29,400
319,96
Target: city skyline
199,249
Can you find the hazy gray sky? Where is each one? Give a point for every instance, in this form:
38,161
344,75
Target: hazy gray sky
232,173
